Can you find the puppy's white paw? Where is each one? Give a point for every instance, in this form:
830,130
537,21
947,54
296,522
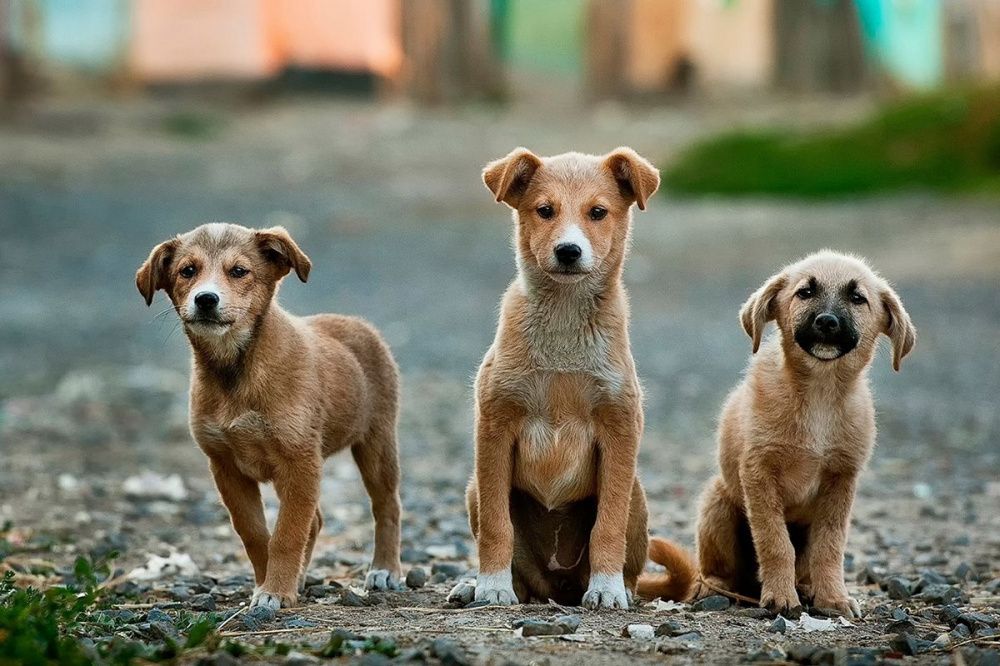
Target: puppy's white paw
266,599
496,588
606,591
463,593
381,580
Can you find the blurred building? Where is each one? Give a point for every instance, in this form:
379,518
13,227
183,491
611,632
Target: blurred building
443,50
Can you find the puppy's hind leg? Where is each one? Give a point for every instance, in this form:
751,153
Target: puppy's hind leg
718,542
378,460
317,527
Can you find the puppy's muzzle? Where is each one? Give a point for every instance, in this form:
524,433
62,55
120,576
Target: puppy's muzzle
567,254
826,335
826,325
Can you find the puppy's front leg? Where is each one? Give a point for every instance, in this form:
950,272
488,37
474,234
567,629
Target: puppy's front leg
827,540
494,462
775,553
618,443
297,486
241,496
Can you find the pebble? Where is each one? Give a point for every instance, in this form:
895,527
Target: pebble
909,644
448,570
779,626
297,622
964,572
202,602
322,590
901,627
416,578
716,602
642,632
449,652
258,616
802,653
767,653
558,626
974,656
939,594
670,628
898,588
351,598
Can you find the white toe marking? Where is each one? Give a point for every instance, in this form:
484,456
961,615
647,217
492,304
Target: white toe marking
606,591
380,579
496,588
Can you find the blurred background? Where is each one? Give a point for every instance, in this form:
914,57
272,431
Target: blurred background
780,126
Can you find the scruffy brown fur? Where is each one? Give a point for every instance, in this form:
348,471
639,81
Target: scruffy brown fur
795,435
272,395
554,503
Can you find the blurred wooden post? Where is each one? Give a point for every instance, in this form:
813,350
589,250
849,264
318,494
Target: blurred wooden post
449,55
818,46
606,44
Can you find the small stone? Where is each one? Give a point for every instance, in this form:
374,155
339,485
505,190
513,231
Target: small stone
973,656
909,644
898,588
157,615
984,632
642,632
670,628
448,569
869,575
943,641
939,594
352,598
296,622
855,656
779,626
689,637
949,614
928,578
533,627
258,616
202,602
672,646
802,653
416,578
964,572
901,627
961,631
716,602
767,653
570,622
448,652
899,614
322,591
977,620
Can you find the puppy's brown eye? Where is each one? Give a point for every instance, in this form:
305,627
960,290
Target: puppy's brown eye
237,271
858,299
545,212
598,213
805,293
188,272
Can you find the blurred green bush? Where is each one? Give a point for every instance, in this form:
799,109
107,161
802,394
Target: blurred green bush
947,141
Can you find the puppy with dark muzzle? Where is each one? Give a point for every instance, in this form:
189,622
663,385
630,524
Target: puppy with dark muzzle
272,395
796,433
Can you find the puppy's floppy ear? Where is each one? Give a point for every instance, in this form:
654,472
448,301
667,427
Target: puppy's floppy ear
637,178
759,308
152,275
508,177
278,247
898,327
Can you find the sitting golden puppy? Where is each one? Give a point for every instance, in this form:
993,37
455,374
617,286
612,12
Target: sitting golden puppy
555,505
796,433
272,395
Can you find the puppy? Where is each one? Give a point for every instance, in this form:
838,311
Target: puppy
554,503
272,395
796,433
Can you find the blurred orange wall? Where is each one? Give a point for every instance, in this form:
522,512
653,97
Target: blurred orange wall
181,40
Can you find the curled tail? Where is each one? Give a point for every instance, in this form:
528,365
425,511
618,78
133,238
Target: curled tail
675,585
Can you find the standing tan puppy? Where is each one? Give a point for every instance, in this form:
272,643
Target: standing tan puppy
554,503
796,433
272,395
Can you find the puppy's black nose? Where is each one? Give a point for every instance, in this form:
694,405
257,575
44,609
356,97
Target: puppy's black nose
826,323
568,253
206,300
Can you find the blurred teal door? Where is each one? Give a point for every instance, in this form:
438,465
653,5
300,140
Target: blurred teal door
905,37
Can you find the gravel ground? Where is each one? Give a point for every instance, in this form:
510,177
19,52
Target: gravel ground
387,202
